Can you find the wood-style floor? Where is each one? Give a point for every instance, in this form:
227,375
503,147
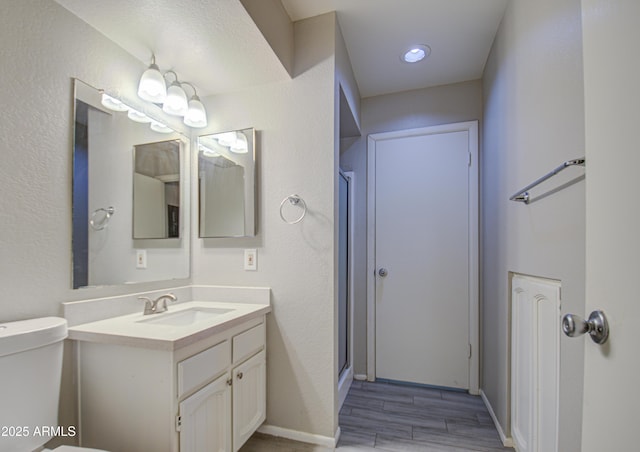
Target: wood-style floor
389,417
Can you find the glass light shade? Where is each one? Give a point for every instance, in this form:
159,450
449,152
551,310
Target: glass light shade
208,152
176,102
152,86
112,103
136,116
226,139
196,114
240,146
160,128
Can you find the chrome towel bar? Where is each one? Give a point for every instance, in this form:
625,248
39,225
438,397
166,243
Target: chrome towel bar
523,195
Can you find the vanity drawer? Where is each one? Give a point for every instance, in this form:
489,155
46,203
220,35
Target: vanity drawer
200,368
247,343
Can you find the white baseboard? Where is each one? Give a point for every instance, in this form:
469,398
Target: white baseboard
343,386
304,437
506,441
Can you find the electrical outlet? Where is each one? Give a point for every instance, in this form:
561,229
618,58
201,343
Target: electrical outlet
251,259
141,258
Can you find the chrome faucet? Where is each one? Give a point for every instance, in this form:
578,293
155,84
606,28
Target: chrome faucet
158,308
148,305
155,306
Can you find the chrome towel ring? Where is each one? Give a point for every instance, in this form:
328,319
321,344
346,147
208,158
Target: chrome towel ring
295,200
104,221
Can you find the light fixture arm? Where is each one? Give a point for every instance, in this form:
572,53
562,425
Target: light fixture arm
174,74
195,93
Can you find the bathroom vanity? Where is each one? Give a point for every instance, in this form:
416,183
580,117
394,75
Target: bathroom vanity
189,380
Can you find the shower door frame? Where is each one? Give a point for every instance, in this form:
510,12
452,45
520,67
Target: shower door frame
345,376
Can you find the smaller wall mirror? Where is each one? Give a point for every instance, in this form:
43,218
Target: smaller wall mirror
227,184
156,190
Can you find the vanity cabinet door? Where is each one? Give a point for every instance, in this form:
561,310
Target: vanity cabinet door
204,418
249,398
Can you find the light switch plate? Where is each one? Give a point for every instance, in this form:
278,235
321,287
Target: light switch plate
141,258
251,259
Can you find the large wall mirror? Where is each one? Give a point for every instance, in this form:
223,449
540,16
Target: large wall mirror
227,184
127,176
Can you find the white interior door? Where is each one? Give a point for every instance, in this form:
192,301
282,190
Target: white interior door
426,247
611,396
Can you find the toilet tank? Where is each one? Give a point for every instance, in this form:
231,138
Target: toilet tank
30,372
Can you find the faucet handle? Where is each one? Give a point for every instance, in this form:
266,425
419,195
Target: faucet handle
148,305
162,307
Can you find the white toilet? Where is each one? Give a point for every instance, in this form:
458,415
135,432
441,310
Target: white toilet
31,369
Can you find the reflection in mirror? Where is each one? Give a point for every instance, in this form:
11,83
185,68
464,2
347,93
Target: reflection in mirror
227,184
104,252
156,190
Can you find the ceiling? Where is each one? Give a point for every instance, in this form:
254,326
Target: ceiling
378,32
215,45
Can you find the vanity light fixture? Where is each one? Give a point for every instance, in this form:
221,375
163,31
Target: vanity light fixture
112,103
235,141
226,138
196,115
136,116
208,152
115,104
157,126
176,102
152,86
416,53
240,146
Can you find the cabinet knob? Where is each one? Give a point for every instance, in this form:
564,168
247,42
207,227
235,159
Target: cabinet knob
229,381
239,375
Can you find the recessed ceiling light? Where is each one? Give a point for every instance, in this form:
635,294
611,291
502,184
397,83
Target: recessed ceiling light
416,53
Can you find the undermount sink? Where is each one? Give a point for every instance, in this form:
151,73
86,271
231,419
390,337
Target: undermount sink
185,317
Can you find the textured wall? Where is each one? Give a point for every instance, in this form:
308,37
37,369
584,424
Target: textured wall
533,121
294,121
44,47
411,109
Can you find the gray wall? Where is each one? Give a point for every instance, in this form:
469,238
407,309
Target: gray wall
297,153
533,121
43,48
406,110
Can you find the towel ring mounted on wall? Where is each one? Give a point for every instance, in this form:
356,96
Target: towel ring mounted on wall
104,221
294,200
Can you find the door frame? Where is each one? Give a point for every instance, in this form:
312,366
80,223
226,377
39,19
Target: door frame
474,277
345,380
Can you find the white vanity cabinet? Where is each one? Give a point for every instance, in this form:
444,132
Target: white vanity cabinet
207,396
204,422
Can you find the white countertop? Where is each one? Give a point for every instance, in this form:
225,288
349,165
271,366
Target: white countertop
130,331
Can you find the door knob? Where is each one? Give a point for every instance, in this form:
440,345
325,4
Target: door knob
597,326
383,272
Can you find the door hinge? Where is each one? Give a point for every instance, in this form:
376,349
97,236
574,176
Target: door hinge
469,161
178,423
